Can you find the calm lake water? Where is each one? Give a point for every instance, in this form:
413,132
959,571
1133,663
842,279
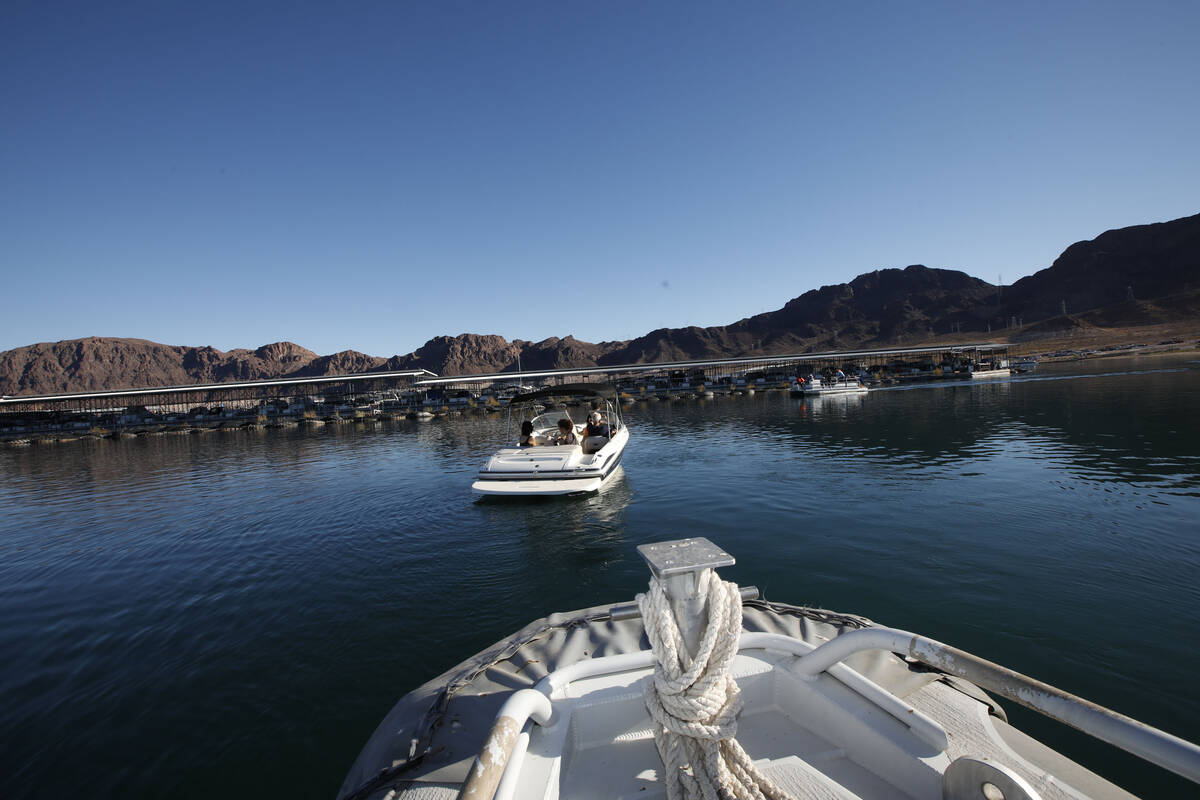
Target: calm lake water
233,613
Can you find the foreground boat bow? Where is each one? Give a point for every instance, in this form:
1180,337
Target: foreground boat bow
831,706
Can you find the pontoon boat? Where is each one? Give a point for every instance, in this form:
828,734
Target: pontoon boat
815,385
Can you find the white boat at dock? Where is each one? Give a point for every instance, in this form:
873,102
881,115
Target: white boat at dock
817,386
990,369
733,697
549,468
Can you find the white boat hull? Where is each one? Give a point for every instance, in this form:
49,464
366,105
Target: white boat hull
548,471
820,388
537,488
990,373
833,390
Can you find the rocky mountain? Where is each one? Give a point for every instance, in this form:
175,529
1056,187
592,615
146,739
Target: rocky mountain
98,363
1146,274
1143,262
881,306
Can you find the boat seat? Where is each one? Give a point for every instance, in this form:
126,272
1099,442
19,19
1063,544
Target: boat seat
593,444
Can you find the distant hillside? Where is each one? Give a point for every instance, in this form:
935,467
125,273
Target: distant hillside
1144,262
98,363
1146,274
1159,263
881,306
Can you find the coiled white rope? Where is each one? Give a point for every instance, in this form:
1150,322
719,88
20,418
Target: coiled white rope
695,701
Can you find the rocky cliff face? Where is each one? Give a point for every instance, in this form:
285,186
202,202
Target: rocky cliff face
96,363
1143,262
879,307
474,354
1138,275
467,353
99,363
343,363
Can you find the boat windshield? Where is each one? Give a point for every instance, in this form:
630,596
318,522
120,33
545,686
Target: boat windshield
549,420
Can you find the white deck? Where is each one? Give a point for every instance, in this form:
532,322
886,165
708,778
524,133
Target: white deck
836,737
602,745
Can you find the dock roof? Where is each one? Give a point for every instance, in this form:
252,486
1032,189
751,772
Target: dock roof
719,362
204,387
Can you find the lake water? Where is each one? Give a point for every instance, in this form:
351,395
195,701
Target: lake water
233,613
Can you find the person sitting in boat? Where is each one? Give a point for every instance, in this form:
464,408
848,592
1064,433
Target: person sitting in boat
596,434
566,432
527,438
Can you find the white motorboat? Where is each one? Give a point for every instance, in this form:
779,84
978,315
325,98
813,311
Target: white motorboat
816,386
734,697
990,369
549,467
505,394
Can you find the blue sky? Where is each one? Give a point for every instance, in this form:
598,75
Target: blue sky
369,175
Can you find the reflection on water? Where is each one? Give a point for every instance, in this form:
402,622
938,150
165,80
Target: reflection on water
564,535
183,610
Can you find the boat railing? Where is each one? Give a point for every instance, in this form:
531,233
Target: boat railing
1145,741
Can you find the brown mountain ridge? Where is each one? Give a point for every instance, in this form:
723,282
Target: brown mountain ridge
1145,274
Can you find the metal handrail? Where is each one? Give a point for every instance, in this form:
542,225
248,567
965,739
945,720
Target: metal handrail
492,760
1145,741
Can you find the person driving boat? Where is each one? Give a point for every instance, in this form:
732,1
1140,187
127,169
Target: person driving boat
566,432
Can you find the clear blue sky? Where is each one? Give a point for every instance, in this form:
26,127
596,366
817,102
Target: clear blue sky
368,175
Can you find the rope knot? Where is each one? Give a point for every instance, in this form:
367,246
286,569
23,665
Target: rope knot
694,700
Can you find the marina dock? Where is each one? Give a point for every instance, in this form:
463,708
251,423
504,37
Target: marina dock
421,394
